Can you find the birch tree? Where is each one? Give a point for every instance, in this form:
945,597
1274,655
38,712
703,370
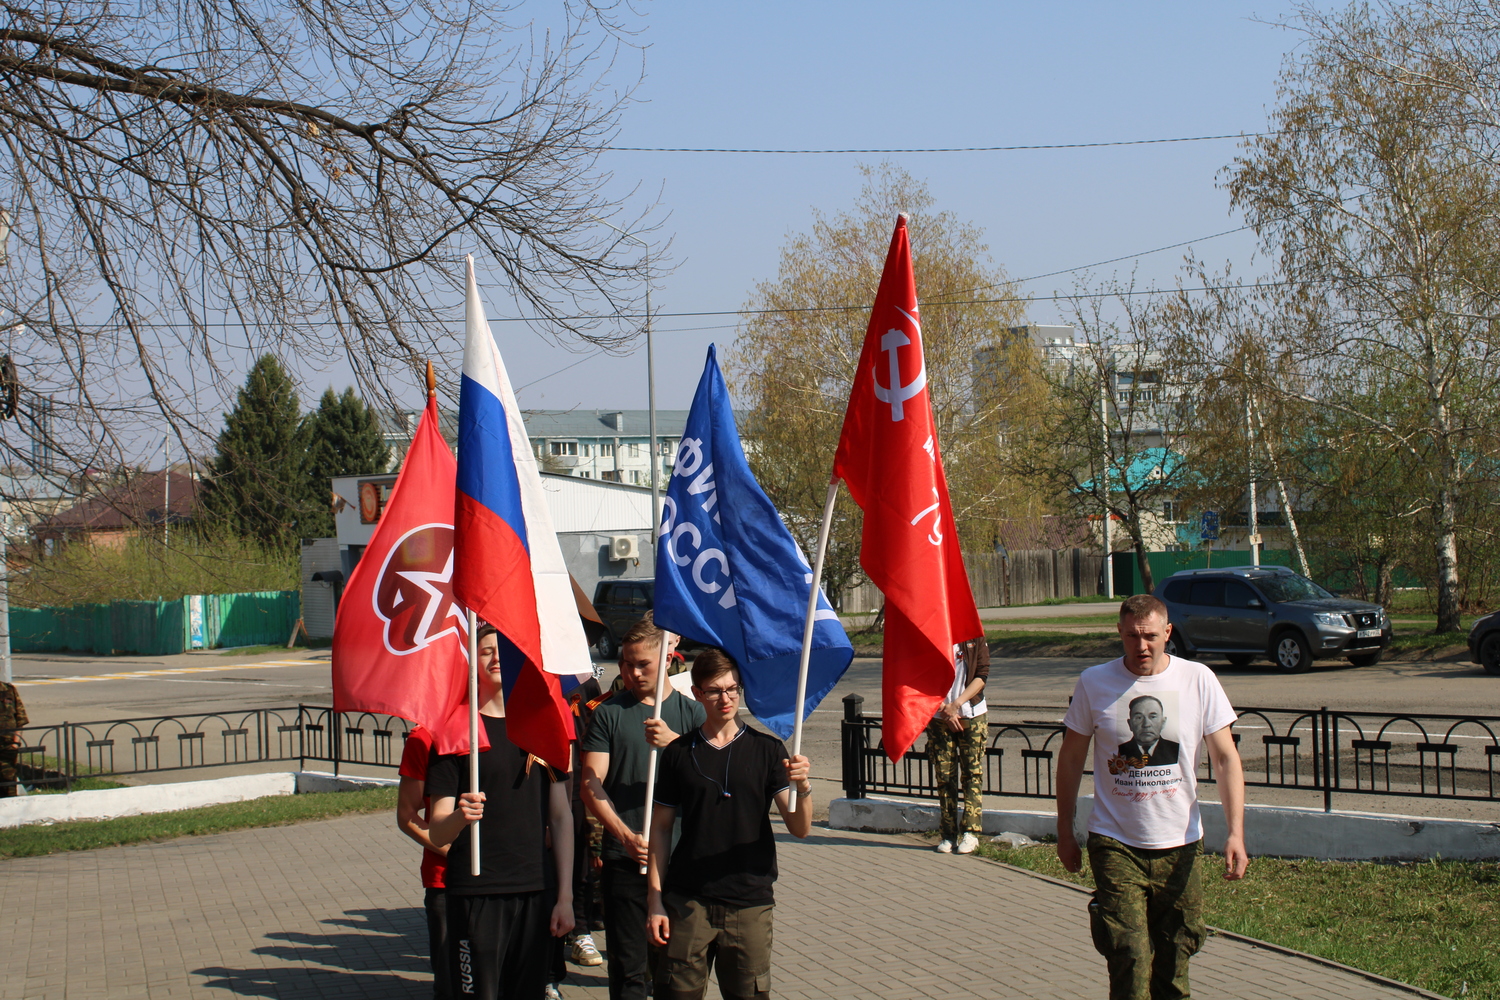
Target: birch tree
1375,189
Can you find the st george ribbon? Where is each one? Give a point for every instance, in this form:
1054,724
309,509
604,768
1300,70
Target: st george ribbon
729,573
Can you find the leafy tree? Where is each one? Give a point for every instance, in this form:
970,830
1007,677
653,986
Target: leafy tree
343,439
259,486
1376,190
794,359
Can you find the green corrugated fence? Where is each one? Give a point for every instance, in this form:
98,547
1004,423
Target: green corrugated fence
256,619
157,628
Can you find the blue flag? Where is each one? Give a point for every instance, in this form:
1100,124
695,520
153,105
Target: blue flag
729,574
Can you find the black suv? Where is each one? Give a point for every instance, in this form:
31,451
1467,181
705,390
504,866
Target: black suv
620,603
1245,612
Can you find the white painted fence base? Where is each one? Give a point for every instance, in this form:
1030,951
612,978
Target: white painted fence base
112,803
1279,831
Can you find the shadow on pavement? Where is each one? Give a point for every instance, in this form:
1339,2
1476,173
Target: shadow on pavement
294,982
384,949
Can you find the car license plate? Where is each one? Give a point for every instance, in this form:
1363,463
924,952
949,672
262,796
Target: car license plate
1367,633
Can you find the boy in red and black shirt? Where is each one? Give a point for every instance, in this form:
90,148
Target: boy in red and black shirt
413,810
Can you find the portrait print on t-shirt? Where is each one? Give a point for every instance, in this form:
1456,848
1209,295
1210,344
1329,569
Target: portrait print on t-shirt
1147,733
1147,762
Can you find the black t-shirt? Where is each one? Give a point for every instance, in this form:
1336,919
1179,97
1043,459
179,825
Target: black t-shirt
727,854
512,835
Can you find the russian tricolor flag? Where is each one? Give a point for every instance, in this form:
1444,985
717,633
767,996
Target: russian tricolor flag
507,566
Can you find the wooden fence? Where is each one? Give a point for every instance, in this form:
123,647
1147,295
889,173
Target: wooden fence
1021,576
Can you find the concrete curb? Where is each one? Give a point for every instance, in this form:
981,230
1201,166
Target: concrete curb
1272,831
138,800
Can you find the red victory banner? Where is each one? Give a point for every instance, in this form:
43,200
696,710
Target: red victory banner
400,639
888,455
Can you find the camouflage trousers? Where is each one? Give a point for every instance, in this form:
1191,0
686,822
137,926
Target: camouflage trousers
958,770
9,774
1146,917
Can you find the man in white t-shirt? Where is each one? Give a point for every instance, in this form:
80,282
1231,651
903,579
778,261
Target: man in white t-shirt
1148,715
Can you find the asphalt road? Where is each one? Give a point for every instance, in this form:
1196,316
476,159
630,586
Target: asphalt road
60,688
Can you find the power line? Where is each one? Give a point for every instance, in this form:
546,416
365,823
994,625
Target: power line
1129,256
938,149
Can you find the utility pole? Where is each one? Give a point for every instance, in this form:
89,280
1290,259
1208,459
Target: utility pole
1109,569
652,448
1250,470
5,667
166,491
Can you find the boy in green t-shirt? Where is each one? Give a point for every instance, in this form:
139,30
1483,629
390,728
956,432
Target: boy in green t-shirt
616,760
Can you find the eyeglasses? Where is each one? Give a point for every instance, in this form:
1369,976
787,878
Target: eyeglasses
718,694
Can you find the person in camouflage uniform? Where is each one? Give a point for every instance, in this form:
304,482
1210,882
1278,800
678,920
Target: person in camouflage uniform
956,741
1145,830
12,719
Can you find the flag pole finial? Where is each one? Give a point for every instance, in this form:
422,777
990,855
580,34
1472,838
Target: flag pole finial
431,380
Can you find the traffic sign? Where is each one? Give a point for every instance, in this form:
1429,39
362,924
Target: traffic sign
1210,525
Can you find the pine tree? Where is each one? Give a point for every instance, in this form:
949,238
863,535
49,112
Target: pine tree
343,439
259,487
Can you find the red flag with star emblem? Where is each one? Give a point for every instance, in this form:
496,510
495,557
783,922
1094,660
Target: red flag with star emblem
400,641
888,455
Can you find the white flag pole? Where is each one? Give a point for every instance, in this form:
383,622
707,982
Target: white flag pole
473,737
807,625
661,690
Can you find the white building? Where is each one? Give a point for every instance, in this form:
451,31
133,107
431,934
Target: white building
611,445
603,529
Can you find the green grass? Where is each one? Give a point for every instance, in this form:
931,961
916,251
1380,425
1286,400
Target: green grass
275,810
1430,924
1045,636
1405,642
1059,620
85,783
1049,602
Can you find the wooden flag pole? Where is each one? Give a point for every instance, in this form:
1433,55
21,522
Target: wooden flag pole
661,688
807,625
473,737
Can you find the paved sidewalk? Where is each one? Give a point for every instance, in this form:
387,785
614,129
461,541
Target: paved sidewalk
333,909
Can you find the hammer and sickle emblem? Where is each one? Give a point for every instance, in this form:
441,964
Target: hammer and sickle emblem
897,394
936,535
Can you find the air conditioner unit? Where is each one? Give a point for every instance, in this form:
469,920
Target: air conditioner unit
623,547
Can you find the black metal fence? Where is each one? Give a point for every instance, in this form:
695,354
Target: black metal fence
1323,751
51,757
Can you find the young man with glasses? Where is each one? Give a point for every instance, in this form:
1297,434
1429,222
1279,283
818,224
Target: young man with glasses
710,898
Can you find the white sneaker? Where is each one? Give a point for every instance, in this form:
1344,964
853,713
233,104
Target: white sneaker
552,992
967,843
945,846
585,952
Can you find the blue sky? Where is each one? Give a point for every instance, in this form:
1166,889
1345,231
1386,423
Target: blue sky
886,75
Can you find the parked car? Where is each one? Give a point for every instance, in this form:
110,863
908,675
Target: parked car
620,603
1246,612
1484,643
